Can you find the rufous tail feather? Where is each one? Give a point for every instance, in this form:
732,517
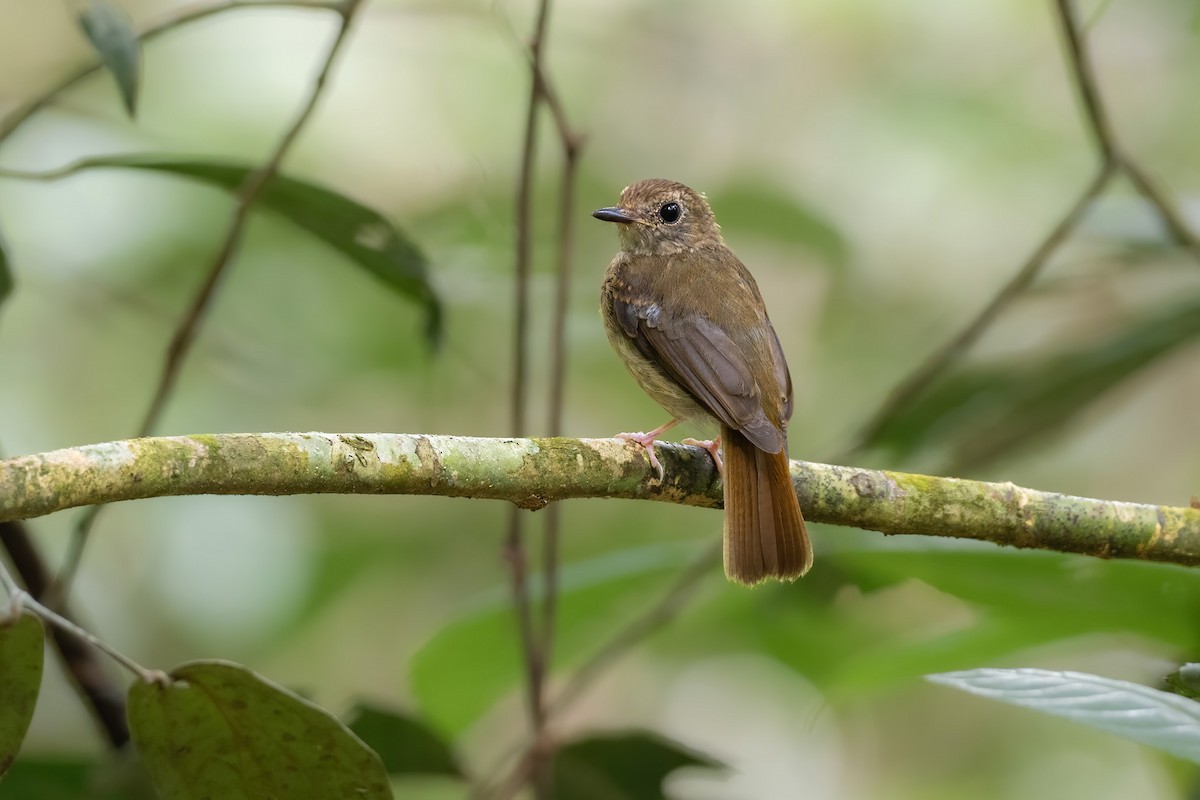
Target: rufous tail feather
765,535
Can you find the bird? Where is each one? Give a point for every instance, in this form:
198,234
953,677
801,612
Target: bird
687,319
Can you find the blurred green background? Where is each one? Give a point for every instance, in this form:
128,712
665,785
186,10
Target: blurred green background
882,168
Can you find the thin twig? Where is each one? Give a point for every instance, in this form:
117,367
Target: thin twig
514,780
570,139
1172,220
177,18
92,681
517,560
533,651
186,330
23,599
524,232
571,145
1080,65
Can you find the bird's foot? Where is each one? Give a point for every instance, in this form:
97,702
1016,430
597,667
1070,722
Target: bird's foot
646,441
713,446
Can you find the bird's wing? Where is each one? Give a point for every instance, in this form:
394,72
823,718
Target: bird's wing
781,373
704,360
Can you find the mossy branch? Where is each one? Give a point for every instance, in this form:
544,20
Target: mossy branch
534,472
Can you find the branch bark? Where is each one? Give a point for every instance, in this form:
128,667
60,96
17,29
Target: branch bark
533,472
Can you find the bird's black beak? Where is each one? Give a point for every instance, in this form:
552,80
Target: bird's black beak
613,215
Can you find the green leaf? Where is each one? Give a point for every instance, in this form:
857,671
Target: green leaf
848,648
361,234
406,745
1083,594
987,412
1159,719
468,665
219,730
624,766
21,656
111,33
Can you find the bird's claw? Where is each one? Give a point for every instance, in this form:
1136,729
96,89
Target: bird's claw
645,441
713,446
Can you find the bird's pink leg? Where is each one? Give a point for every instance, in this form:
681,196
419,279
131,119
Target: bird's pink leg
646,440
713,447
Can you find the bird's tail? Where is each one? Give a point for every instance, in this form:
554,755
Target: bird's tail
764,529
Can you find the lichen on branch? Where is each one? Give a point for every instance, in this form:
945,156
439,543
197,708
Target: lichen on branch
533,472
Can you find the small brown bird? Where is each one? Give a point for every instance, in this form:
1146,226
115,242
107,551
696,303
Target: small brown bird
687,319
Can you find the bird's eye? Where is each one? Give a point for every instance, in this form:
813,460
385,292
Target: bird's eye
670,213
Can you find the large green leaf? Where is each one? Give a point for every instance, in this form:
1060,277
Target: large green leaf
836,629
219,730
1023,599
1087,595
468,665
622,766
987,412
361,234
1159,719
21,657
406,744
111,33
848,649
